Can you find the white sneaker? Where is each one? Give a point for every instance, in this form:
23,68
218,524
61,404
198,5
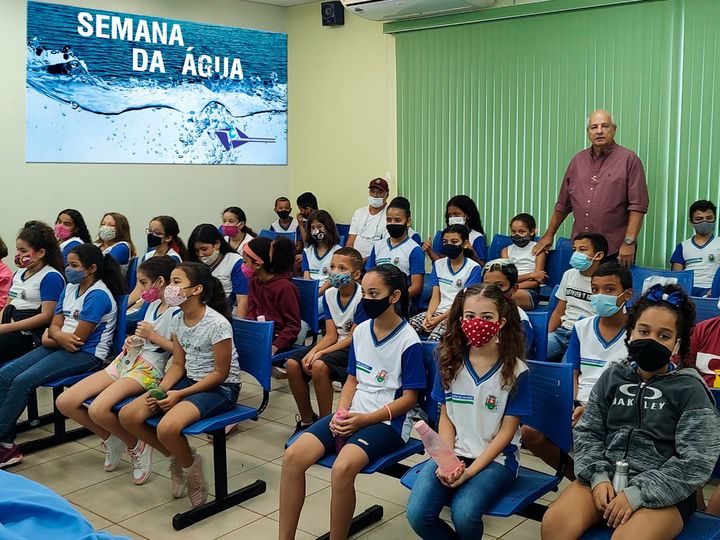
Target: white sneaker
196,485
141,459
279,373
178,480
337,386
114,449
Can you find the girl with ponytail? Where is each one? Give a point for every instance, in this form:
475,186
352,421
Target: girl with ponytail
203,380
79,339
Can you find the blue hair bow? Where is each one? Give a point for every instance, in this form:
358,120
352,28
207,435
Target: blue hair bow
656,294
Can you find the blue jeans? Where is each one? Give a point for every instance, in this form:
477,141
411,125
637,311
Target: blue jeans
20,377
557,344
467,503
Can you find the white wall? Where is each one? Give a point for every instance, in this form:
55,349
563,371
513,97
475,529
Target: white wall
192,194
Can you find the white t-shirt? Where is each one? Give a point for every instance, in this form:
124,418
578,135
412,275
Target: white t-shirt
197,341
319,267
367,228
229,273
242,244
590,354
476,406
292,228
384,369
450,283
342,316
162,325
170,253
575,289
45,285
522,258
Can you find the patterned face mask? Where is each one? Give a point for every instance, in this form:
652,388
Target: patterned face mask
479,332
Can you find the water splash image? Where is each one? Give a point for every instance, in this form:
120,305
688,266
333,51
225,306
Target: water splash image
87,108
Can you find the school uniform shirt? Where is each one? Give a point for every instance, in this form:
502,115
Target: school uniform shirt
412,234
522,258
703,260
242,244
368,228
450,282
705,349
384,369
476,406
590,354
408,256
170,253
198,340
121,253
574,289
292,228
162,325
45,285
319,267
477,241
344,317
66,246
229,273
97,306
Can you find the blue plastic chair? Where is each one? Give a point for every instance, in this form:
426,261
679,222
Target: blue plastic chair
639,274
715,288
551,387
308,290
423,301
343,229
437,242
131,276
539,321
342,240
563,243
272,235
60,433
389,464
705,308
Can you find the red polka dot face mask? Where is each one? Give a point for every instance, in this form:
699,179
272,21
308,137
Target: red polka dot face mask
479,332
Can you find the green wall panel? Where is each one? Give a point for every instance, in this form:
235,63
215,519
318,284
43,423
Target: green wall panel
496,110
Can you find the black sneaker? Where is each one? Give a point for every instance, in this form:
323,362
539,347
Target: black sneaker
299,426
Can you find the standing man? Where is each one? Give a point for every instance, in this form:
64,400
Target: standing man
604,187
368,222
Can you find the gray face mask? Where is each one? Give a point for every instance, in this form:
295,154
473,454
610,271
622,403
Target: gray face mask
704,228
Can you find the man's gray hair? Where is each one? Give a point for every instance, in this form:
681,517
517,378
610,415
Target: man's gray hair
612,120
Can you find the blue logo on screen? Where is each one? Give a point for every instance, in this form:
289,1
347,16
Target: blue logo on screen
232,138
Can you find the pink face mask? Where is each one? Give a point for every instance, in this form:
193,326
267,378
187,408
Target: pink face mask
152,294
62,232
247,270
23,261
230,230
479,332
174,295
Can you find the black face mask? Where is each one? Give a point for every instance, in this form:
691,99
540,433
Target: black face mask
396,230
283,214
154,241
451,251
375,307
520,241
648,354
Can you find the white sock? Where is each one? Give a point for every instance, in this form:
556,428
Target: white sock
7,444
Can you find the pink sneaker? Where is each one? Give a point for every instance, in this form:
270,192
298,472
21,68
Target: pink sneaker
10,456
196,485
178,479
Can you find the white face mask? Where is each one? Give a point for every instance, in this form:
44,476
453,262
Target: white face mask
455,220
210,259
376,202
106,233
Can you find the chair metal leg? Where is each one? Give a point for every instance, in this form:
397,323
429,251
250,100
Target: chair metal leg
223,500
361,521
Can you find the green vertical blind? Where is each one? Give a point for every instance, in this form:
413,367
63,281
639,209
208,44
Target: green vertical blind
496,109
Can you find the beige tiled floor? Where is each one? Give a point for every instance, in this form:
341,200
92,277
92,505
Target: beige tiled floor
111,502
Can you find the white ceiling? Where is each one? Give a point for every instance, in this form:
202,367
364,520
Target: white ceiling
285,3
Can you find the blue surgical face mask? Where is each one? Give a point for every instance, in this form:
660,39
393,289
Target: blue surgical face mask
605,305
580,261
74,276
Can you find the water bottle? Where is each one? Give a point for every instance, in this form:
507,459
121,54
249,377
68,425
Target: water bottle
340,441
620,478
136,343
441,453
